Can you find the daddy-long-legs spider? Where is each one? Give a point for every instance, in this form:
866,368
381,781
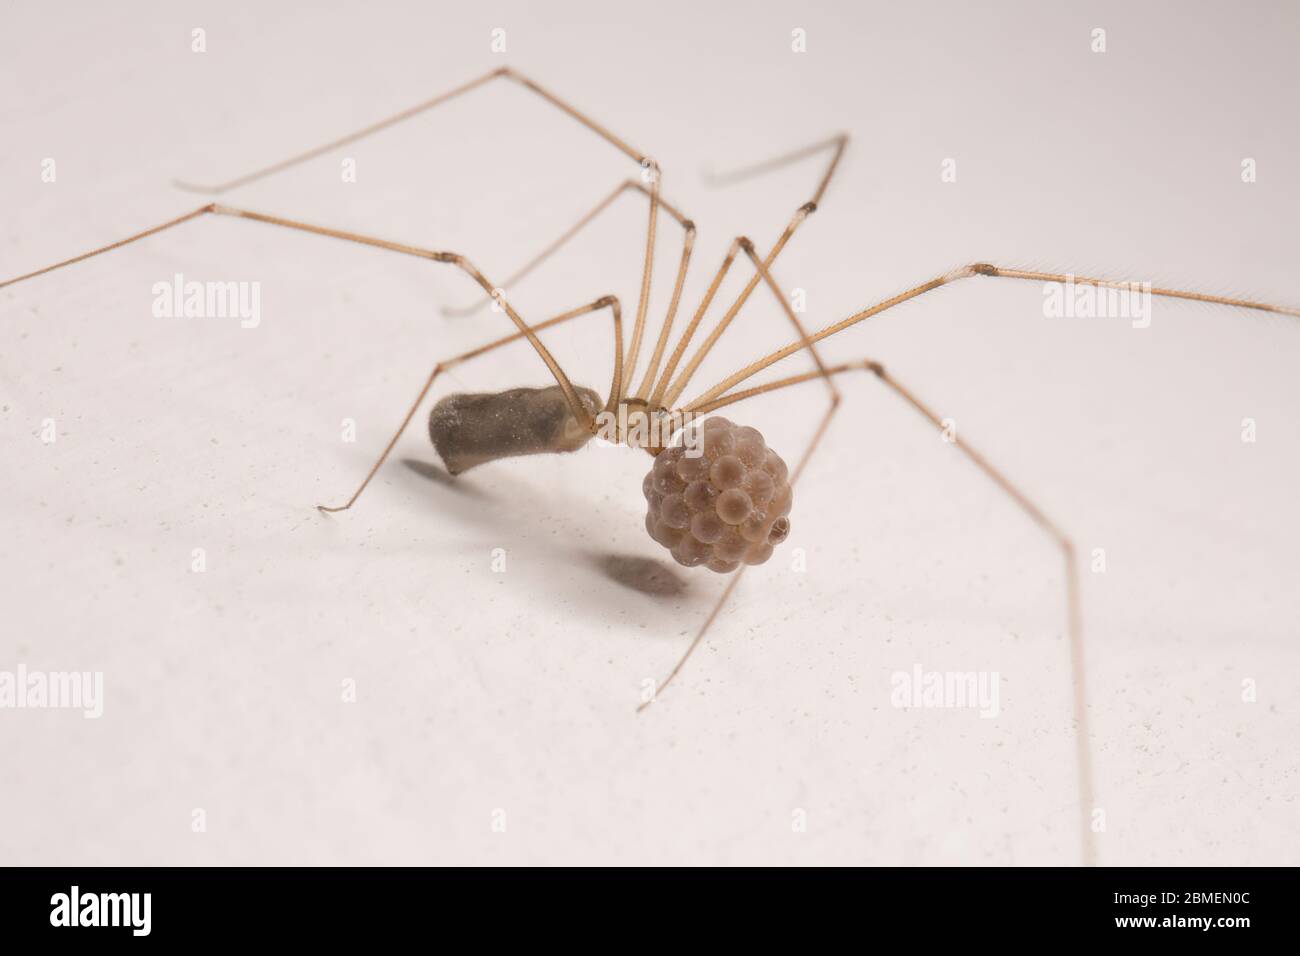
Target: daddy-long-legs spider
565,414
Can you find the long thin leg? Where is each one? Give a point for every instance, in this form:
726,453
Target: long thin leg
667,393
1074,620
784,299
565,238
502,72
761,273
452,258
980,269
656,398
1073,613
688,245
699,636
154,230
643,299
668,390
442,366
838,143
649,166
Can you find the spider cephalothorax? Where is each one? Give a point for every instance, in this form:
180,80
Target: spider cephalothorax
721,501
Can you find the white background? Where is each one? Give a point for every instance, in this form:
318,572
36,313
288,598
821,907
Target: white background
479,691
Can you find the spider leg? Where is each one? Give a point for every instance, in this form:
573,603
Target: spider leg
668,390
451,258
1073,612
666,394
976,269
839,142
821,372
984,269
606,301
153,230
688,244
501,72
656,398
650,170
567,236
723,394
784,299
762,272
1074,619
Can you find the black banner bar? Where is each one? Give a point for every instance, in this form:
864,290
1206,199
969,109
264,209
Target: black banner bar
543,906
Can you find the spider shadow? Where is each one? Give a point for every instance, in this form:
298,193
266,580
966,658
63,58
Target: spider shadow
638,573
652,577
440,476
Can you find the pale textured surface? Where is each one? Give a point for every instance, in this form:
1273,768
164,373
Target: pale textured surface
479,690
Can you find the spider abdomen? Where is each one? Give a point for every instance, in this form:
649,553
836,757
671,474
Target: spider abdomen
471,429
721,502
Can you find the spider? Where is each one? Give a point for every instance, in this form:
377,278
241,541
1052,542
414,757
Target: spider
717,497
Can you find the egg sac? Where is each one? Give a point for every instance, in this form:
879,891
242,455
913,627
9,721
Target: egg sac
722,502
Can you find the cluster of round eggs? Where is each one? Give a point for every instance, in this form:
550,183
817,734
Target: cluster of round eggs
720,501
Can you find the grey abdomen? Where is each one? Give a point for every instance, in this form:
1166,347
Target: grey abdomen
470,429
